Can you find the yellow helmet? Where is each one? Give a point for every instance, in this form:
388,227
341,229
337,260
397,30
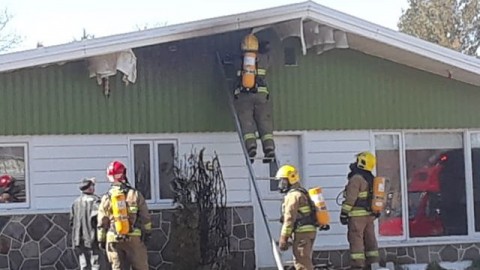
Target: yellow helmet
250,43
288,172
366,161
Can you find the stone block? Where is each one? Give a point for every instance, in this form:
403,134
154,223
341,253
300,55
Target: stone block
15,230
154,259
30,250
50,256
239,231
246,244
449,254
245,213
5,245
62,221
15,258
55,234
39,227
31,264
69,259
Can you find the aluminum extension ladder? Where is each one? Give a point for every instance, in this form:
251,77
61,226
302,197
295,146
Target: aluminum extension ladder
222,65
253,178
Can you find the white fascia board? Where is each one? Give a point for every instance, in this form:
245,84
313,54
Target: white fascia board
99,46
394,38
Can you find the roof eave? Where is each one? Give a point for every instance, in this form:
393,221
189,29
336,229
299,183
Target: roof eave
115,43
390,37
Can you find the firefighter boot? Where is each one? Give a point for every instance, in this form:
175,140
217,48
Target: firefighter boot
268,150
251,145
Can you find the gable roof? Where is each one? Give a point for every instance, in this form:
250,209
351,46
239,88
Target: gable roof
362,35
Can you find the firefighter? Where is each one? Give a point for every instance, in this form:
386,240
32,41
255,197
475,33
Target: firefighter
124,245
356,212
83,221
8,189
252,98
298,221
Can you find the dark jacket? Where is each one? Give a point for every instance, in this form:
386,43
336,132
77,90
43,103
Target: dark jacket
83,220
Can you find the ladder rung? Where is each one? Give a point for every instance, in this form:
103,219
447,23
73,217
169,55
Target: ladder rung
265,178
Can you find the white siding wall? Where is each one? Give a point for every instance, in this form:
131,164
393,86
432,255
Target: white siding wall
327,157
57,163
232,161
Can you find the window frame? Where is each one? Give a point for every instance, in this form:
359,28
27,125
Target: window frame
26,204
403,187
446,237
154,170
471,236
469,184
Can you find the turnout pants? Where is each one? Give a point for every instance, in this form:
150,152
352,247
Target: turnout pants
255,112
302,250
131,252
89,258
363,244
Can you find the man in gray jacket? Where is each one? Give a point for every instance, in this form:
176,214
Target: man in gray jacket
83,221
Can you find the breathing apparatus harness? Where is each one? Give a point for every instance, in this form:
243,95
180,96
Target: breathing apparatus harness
303,219
123,188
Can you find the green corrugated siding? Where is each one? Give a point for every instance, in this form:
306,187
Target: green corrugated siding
345,89
180,92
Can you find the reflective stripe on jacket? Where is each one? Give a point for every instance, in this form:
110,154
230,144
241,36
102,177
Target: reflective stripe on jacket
294,207
356,193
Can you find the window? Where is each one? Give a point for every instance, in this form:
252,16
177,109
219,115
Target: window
153,163
289,56
387,151
13,176
435,170
426,192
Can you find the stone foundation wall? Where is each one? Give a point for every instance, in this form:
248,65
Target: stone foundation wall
44,241
407,255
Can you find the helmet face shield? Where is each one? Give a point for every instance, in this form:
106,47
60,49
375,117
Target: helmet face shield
283,185
288,172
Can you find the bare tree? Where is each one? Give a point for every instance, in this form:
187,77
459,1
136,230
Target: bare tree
146,26
8,40
84,36
453,24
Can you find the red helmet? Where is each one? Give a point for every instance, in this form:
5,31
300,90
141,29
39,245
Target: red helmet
5,181
116,171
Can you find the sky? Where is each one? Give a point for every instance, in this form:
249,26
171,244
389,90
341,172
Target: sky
53,22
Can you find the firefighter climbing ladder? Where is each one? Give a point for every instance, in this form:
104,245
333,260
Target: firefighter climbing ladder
253,178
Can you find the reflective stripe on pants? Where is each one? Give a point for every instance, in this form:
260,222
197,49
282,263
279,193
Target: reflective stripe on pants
254,112
363,244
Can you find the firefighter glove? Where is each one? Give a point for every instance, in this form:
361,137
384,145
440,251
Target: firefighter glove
344,218
102,245
324,227
283,243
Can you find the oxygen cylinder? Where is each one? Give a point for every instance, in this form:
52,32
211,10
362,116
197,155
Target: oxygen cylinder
249,70
378,196
120,213
323,218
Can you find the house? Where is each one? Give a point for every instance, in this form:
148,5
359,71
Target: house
339,84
